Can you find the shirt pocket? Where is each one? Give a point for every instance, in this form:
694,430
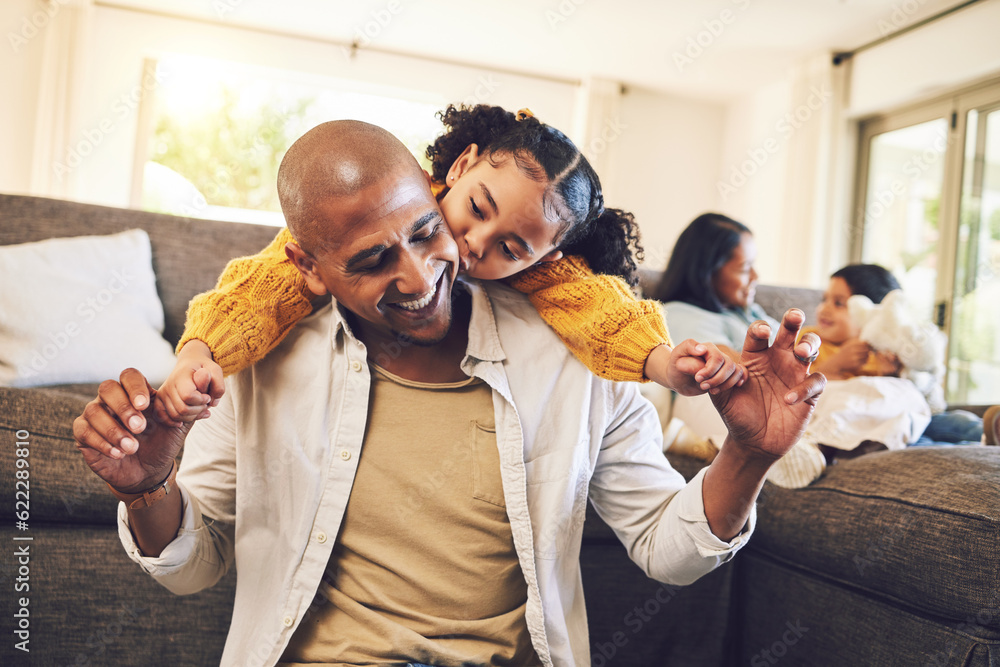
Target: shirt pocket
487,484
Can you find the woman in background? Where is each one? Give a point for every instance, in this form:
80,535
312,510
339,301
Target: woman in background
708,295
709,285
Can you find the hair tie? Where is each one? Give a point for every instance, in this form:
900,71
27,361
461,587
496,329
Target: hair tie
524,113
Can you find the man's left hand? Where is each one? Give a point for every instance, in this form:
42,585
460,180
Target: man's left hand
768,414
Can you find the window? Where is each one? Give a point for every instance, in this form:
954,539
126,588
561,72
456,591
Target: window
216,133
929,187
974,352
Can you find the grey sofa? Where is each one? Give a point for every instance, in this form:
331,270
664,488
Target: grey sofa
891,559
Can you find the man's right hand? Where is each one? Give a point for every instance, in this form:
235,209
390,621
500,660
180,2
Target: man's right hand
122,439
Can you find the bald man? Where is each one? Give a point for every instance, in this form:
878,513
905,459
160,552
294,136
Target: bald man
427,509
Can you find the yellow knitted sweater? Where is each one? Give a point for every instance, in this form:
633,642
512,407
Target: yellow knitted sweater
259,299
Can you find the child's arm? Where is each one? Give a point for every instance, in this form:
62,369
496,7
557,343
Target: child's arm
885,364
617,336
692,368
255,304
846,362
194,386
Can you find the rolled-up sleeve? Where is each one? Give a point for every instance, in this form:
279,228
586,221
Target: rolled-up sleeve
203,549
690,513
196,559
657,516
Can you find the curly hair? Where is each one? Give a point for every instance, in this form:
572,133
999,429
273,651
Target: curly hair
607,238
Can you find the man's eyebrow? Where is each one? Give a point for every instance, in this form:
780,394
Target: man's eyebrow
489,198
362,255
368,253
425,220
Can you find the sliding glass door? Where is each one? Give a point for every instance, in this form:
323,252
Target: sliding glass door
929,193
974,349
902,226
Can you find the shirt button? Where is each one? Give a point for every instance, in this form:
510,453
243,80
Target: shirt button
356,366
321,537
288,621
346,455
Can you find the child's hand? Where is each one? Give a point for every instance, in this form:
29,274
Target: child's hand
194,386
692,368
853,354
887,364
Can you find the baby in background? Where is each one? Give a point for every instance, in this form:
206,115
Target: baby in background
874,401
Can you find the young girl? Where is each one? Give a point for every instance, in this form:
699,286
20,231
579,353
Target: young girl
501,180
873,409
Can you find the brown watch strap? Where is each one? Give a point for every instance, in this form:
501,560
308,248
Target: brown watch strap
151,495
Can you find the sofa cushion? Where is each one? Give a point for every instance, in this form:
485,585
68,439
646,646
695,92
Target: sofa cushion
188,254
61,486
917,527
793,618
83,309
91,605
775,300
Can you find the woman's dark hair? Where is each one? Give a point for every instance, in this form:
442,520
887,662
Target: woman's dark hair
870,280
701,250
607,238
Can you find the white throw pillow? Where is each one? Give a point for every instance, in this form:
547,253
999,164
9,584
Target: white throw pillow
80,310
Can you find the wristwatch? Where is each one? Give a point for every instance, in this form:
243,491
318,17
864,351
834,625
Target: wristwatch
150,496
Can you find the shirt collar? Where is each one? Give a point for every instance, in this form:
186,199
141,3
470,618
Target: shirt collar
484,341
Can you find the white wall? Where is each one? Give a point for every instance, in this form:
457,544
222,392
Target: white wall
665,163
954,50
20,69
662,152
749,185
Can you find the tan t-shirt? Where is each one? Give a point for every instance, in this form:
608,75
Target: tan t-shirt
424,568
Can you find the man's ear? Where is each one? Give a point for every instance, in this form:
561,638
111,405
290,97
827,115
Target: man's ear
306,264
552,256
462,164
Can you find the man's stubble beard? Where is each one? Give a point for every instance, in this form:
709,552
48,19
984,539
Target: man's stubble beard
405,339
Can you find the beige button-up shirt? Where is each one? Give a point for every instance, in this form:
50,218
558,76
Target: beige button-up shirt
265,481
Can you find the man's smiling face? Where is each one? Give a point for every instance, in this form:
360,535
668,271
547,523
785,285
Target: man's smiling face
389,258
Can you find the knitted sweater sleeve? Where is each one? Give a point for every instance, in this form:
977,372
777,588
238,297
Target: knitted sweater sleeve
598,318
255,304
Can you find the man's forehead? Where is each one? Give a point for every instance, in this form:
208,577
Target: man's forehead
393,203
392,198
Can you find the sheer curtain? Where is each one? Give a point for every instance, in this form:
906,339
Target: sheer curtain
65,56
815,239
